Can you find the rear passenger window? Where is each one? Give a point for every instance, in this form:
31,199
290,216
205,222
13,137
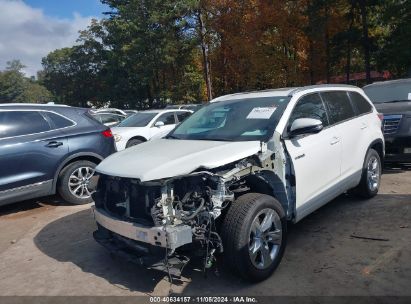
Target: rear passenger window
310,106
59,121
167,118
339,106
16,123
361,105
182,115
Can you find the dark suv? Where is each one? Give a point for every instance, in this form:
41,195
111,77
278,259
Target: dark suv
46,149
393,100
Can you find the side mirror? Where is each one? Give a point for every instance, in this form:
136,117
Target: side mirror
159,124
302,126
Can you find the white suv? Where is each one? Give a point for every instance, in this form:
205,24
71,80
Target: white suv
144,125
228,178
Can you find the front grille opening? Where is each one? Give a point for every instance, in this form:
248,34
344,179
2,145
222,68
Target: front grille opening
126,198
391,124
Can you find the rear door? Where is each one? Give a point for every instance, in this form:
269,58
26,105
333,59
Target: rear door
30,148
316,157
353,132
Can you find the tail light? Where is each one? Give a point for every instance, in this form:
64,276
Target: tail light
107,133
380,116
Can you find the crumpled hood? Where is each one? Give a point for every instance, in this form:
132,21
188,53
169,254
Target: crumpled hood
164,158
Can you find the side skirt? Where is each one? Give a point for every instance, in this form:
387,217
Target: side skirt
26,192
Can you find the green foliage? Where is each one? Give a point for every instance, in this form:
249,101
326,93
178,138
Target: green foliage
394,53
142,55
14,87
147,53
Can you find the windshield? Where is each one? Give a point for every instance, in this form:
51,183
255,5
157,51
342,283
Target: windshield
233,120
137,120
389,92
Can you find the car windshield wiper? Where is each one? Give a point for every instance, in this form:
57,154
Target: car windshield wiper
397,100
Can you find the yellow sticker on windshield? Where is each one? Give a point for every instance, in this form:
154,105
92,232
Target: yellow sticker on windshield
261,113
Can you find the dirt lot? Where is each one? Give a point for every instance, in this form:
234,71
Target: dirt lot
48,249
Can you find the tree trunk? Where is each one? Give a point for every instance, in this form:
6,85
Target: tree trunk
311,52
366,42
327,44
348,65
204,49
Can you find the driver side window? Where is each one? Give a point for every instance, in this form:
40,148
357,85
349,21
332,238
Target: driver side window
310,106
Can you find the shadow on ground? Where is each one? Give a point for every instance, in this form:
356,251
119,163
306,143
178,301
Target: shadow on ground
321,257
396,168
32,204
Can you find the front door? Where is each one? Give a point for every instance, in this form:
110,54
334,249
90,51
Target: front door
169,121
30,151
316,157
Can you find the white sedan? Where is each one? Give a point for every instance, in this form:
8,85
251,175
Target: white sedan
143,125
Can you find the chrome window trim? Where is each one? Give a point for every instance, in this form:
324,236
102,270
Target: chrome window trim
37,110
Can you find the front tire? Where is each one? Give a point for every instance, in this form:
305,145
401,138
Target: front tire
133,142
75,181
371,175
254,235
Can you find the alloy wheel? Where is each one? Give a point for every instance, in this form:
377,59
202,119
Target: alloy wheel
79,182
265,238
373,173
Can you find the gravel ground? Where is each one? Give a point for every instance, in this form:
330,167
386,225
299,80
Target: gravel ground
47,248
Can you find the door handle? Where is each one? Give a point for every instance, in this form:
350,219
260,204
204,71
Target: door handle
54,144
364,126
335,140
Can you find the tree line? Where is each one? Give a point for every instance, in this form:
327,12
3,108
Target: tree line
147,53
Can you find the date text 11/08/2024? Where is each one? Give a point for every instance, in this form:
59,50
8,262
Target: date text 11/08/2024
186,299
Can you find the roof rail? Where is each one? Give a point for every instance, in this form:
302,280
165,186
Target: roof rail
319,86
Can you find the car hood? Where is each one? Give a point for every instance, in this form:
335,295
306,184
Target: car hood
165,158
403,107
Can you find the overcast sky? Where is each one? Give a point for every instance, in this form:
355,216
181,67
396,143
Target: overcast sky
30,29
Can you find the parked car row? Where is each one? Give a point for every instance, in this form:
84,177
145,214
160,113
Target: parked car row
224,179
191,107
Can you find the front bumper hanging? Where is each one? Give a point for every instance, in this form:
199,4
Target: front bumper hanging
170,237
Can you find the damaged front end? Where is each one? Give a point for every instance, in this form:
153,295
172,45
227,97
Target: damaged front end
152,223
157,223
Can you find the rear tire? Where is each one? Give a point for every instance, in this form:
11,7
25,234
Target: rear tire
254,235
74,182
371,176
133,142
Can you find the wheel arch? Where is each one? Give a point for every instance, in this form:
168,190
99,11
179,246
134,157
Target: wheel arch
139,137
93,157
267,182
378,145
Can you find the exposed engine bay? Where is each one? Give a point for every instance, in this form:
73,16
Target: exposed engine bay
179,213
